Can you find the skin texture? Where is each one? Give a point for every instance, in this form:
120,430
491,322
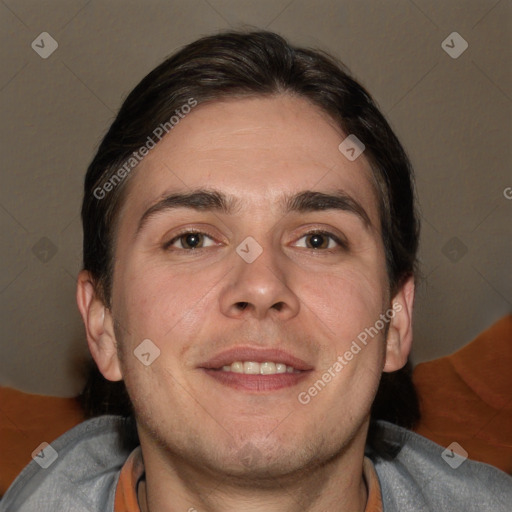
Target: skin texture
195,432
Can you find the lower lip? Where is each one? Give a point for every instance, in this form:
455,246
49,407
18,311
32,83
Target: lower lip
248,382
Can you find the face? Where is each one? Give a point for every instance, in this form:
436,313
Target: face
252,304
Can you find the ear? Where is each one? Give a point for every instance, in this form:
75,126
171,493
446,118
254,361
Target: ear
399,338
99,327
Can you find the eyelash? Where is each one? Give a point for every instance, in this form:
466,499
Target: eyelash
168,244
341,243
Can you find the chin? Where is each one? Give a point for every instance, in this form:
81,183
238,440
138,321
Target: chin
264,458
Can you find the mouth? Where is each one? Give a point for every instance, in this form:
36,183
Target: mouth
253,369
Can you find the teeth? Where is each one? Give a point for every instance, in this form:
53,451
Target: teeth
253,368
237,367
268,368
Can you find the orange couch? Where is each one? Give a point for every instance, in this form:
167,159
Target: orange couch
465,397
26,421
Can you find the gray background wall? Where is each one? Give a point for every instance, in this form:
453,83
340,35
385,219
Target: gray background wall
452,114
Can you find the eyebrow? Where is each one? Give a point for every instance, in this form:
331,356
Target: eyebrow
309,200
214,200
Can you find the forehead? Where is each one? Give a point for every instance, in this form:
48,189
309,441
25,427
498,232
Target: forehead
257,149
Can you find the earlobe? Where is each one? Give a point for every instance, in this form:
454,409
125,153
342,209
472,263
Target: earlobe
399,337
99,327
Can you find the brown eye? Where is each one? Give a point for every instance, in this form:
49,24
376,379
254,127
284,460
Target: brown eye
190,240
317,241
321,240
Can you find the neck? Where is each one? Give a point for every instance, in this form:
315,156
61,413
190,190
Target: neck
336,485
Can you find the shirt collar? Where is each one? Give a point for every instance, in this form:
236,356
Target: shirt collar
133,471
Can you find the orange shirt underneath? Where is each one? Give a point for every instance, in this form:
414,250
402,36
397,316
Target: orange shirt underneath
133,471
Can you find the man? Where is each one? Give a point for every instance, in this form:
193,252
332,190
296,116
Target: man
250,242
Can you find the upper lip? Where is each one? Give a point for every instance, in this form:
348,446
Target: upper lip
257,355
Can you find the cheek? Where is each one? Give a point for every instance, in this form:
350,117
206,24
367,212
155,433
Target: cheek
344,302
154,390
165,305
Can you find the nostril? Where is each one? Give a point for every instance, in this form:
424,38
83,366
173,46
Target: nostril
278,306
242,305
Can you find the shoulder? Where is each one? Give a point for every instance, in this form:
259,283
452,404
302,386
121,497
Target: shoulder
76,472
416,476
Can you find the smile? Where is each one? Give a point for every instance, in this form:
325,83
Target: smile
255,368
257,382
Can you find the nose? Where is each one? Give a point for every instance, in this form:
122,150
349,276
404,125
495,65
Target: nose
260,289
